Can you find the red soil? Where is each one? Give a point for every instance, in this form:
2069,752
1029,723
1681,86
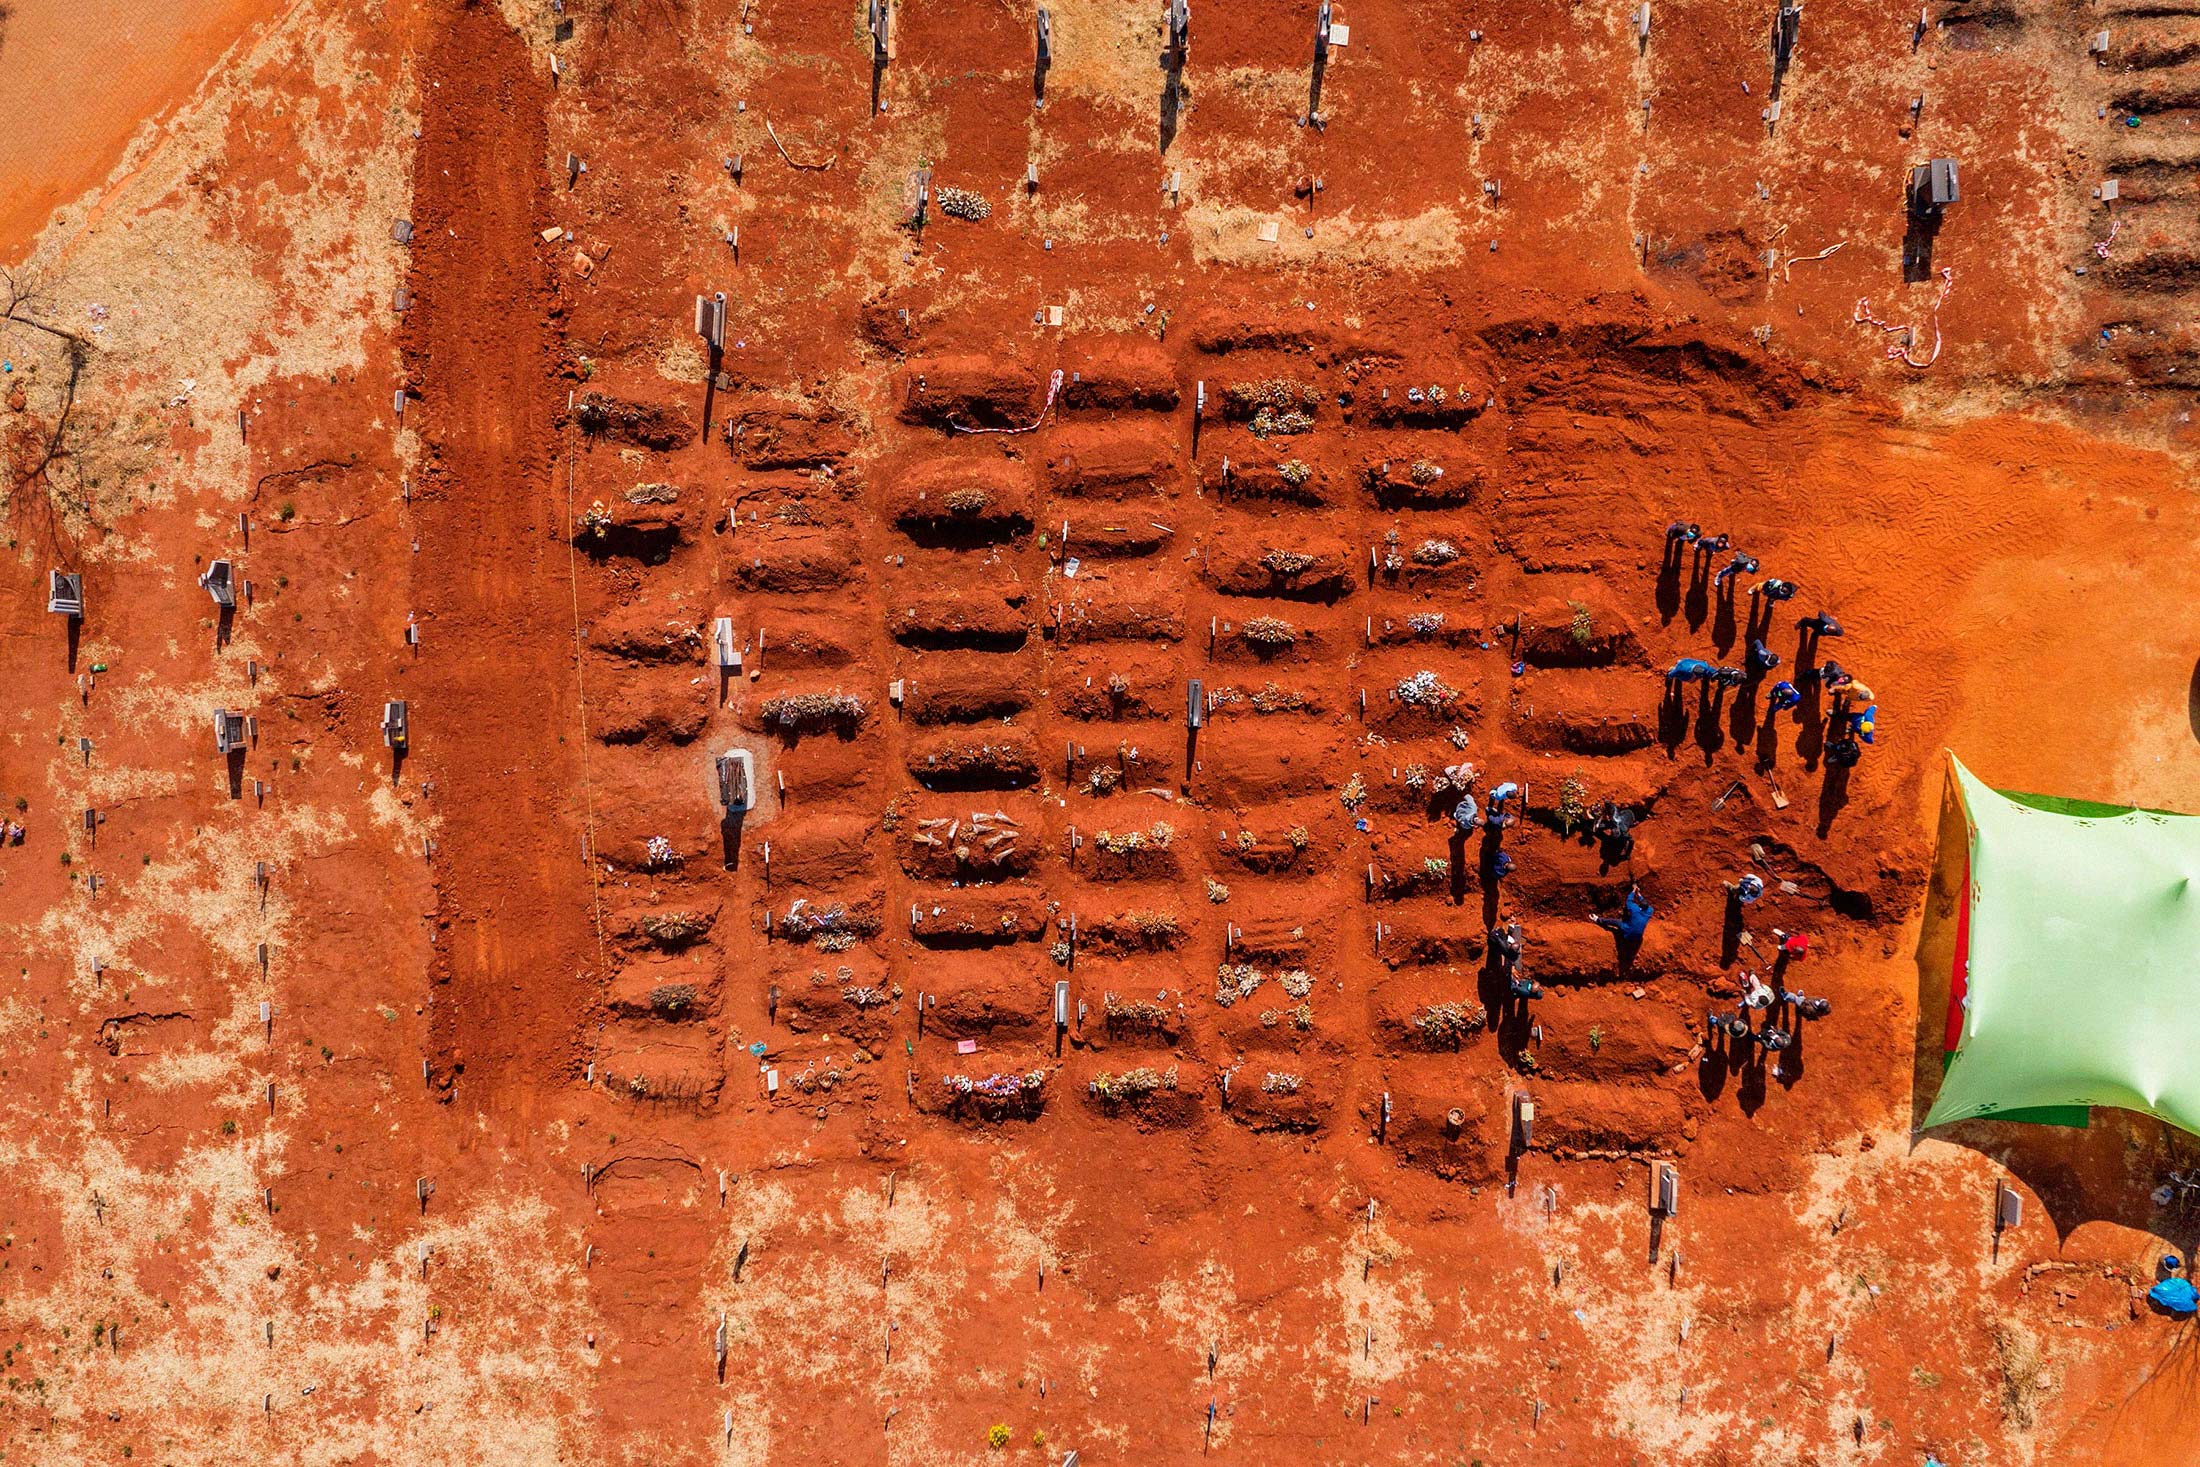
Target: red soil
901,1265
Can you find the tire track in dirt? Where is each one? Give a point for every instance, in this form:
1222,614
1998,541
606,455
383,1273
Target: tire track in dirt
494,717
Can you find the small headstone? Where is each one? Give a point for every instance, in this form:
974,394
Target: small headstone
881,27
710,319
229,731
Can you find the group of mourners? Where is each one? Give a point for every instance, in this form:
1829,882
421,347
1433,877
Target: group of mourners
1612,825
1780,1010
1853,719
1851,723
1494,814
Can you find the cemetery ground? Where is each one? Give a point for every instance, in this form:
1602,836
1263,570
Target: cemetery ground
1102,528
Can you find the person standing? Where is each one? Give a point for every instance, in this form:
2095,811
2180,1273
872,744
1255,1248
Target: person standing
1614,829
1742,564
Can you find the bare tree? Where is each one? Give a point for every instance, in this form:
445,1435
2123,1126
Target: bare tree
25,298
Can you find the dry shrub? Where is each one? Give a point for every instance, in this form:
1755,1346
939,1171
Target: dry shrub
2025,1376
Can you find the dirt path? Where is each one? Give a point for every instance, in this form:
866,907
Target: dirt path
494,706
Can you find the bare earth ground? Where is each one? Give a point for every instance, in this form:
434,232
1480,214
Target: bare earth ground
504,1163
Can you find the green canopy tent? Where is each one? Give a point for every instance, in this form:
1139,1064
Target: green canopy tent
2077,962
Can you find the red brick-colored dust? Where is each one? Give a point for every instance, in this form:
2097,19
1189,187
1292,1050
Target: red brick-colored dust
884,887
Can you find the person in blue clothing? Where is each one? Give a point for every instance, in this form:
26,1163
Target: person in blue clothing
2175,1295
1687,534
1760,658
1783,696
1501,814
1690,670
1633,920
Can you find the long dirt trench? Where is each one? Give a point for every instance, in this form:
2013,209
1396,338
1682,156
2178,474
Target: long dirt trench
517,954
496,719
